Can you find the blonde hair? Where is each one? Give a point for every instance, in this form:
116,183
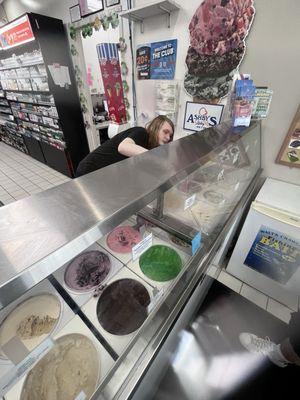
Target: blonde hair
154,126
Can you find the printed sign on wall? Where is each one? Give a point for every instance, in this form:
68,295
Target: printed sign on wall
112,81
157,60
201,116
16,33
274,254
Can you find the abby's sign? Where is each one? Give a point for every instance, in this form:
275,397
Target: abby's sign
201,116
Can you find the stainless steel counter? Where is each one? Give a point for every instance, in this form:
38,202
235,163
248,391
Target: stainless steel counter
44,231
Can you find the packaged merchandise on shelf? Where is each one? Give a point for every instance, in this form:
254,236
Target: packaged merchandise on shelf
167,98
262,102
42,69
31,98
36,118
40,84
23,73
242,102
24,84
34,71
51,122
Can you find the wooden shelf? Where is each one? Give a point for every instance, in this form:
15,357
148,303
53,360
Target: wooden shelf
139,14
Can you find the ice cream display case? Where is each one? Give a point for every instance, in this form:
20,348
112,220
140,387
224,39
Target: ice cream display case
94,272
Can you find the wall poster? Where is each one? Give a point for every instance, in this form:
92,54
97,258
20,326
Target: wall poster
274,254
157,60
112,80
289,153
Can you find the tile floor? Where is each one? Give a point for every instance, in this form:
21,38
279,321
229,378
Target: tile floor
255,296
22,176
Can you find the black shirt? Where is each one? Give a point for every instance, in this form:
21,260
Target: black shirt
107,153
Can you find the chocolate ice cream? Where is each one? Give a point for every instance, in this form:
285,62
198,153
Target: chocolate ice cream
122,307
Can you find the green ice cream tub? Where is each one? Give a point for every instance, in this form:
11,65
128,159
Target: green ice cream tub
160,263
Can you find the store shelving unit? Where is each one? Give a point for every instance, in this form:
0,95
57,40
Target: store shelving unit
42,100
139,14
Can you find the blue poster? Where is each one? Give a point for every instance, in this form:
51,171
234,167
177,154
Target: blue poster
163,59
274,254
156,60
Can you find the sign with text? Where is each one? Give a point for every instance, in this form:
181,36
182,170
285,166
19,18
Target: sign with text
141,247
157,60
274,254
201,116
143,55
16,33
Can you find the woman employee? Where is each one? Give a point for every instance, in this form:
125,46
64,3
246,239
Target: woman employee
128,143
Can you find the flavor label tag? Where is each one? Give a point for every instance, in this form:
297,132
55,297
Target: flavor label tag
141,247
157,296
12,376
81,396
15,350
196,243
189,202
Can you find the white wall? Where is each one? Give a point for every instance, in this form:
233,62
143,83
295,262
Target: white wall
273,59
52,8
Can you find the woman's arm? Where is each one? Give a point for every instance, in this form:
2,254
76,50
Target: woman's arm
128,148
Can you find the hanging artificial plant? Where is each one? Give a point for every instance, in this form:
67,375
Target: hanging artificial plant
72,32
114,20
122,46
124,68
97,24
87,30
125,86
74,51
126,102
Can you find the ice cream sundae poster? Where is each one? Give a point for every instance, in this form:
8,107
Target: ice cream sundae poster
112,80
218,30
201,116
157,60
274,254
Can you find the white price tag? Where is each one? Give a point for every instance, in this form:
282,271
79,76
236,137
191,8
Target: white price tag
12,376
141,247
81,396
189,202
156,298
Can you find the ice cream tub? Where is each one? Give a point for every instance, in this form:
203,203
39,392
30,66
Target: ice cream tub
90,363
118,342
119,241
25,326
92,268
